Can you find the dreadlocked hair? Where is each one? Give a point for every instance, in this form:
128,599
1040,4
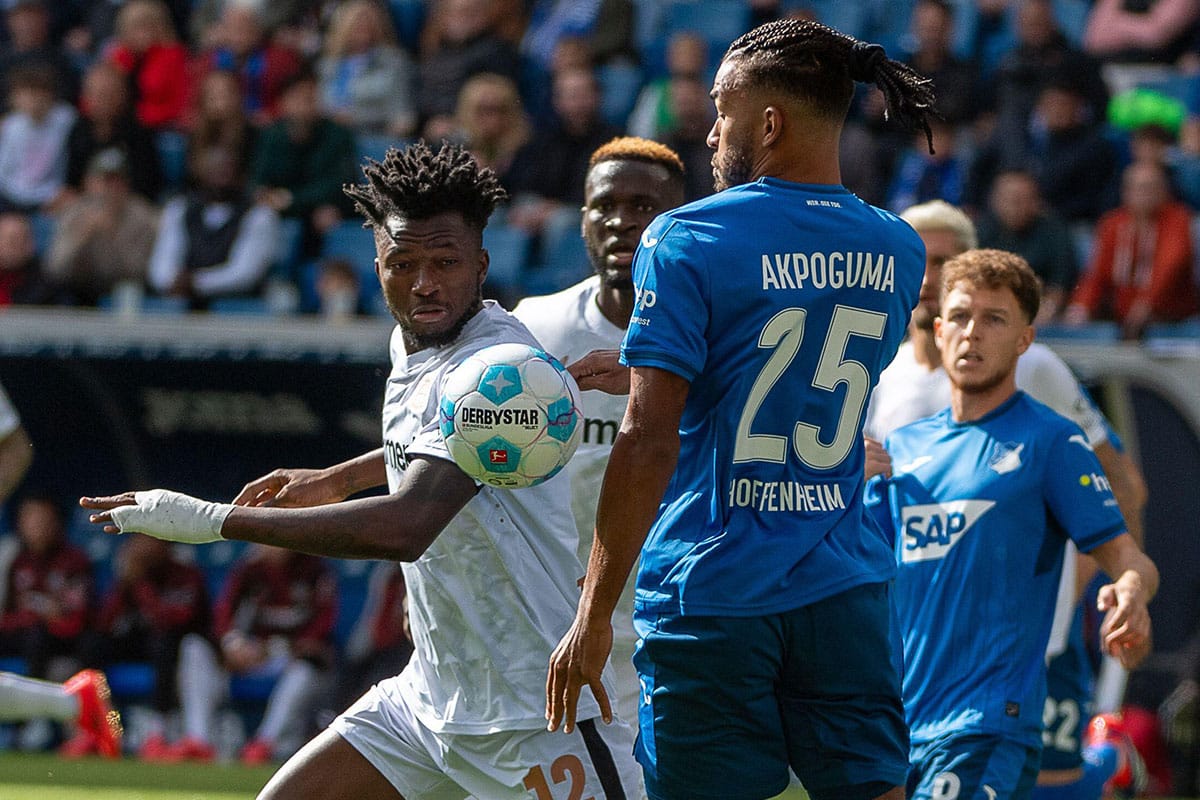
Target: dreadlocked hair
418,183
819,66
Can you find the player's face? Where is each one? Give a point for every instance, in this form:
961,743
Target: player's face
620,200
981,333
431,271
940,247
732,133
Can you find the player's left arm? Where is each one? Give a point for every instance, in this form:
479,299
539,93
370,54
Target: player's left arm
639,469
398,526
1125,632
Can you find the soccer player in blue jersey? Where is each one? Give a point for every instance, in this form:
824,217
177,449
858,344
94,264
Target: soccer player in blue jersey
763,317
982,499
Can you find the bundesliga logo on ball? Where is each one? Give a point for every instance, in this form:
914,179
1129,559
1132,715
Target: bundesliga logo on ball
510,416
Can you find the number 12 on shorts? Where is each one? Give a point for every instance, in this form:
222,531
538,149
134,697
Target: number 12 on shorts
566,768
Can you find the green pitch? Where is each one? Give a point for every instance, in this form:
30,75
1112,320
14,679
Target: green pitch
46,777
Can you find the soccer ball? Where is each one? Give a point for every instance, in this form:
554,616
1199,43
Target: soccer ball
510,415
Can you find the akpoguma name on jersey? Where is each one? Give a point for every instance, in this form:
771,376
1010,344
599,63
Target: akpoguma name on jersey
829,270
785,495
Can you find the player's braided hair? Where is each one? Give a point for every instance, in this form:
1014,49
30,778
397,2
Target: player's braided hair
418,183
635,148
819,65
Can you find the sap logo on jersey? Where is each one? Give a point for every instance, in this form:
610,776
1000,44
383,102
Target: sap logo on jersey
644,298
930,531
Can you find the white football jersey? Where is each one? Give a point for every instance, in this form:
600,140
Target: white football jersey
569,324
908,391
491,597
9,421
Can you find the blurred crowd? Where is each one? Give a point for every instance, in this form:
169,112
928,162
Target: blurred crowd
208,140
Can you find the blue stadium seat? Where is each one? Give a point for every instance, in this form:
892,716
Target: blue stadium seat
172,159
409,18
244,306
1187,329
43,226
509,251
1091,332
563,259
619,87
287,257
718,21
374,147
130,680
18,666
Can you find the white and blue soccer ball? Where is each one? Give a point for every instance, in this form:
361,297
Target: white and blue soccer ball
511,416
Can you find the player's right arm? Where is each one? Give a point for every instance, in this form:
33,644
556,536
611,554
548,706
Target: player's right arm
398,527
303,488
639,469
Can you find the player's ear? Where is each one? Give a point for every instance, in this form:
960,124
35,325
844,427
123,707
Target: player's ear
484,260
937,331
1027,337
772,125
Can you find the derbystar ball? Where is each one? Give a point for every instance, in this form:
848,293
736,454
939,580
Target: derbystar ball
510,415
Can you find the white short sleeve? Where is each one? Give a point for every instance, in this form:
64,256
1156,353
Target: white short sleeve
1046,378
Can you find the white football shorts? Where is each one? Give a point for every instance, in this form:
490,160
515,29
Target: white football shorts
594,761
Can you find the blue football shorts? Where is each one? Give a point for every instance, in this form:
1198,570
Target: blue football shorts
973,767
729,703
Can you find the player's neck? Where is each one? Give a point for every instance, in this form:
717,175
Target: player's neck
970,406
811,159
616,305
925,349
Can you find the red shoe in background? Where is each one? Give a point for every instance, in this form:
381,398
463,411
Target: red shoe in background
256,753
155,749
191,749
99,725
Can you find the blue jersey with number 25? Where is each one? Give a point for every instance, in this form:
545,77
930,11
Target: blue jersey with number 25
780,303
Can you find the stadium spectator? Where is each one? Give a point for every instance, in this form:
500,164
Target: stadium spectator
214,241
550,171
302,161
33,141
1018,221
16,451
1040,49
491,123
463,39
21,279
220,120
106,121
154,602
30,43
922,176
274,619
83,701
606,26
692,113
47,586
653,114
1147,31
239,42
338,289
367,80
1062,146
1141,268
931,29
103,237
148,52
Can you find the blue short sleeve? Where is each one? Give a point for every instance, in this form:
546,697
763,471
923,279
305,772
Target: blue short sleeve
671,311
1078,492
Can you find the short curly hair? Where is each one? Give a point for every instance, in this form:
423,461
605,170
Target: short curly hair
635,148
417,183
995,269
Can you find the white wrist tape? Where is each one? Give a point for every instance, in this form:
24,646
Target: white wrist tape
172,517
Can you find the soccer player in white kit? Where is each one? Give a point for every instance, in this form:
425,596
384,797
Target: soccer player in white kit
630,181
491,573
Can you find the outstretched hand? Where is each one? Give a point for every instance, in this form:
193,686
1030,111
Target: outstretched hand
578,661
166,515
1125,633
601,370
